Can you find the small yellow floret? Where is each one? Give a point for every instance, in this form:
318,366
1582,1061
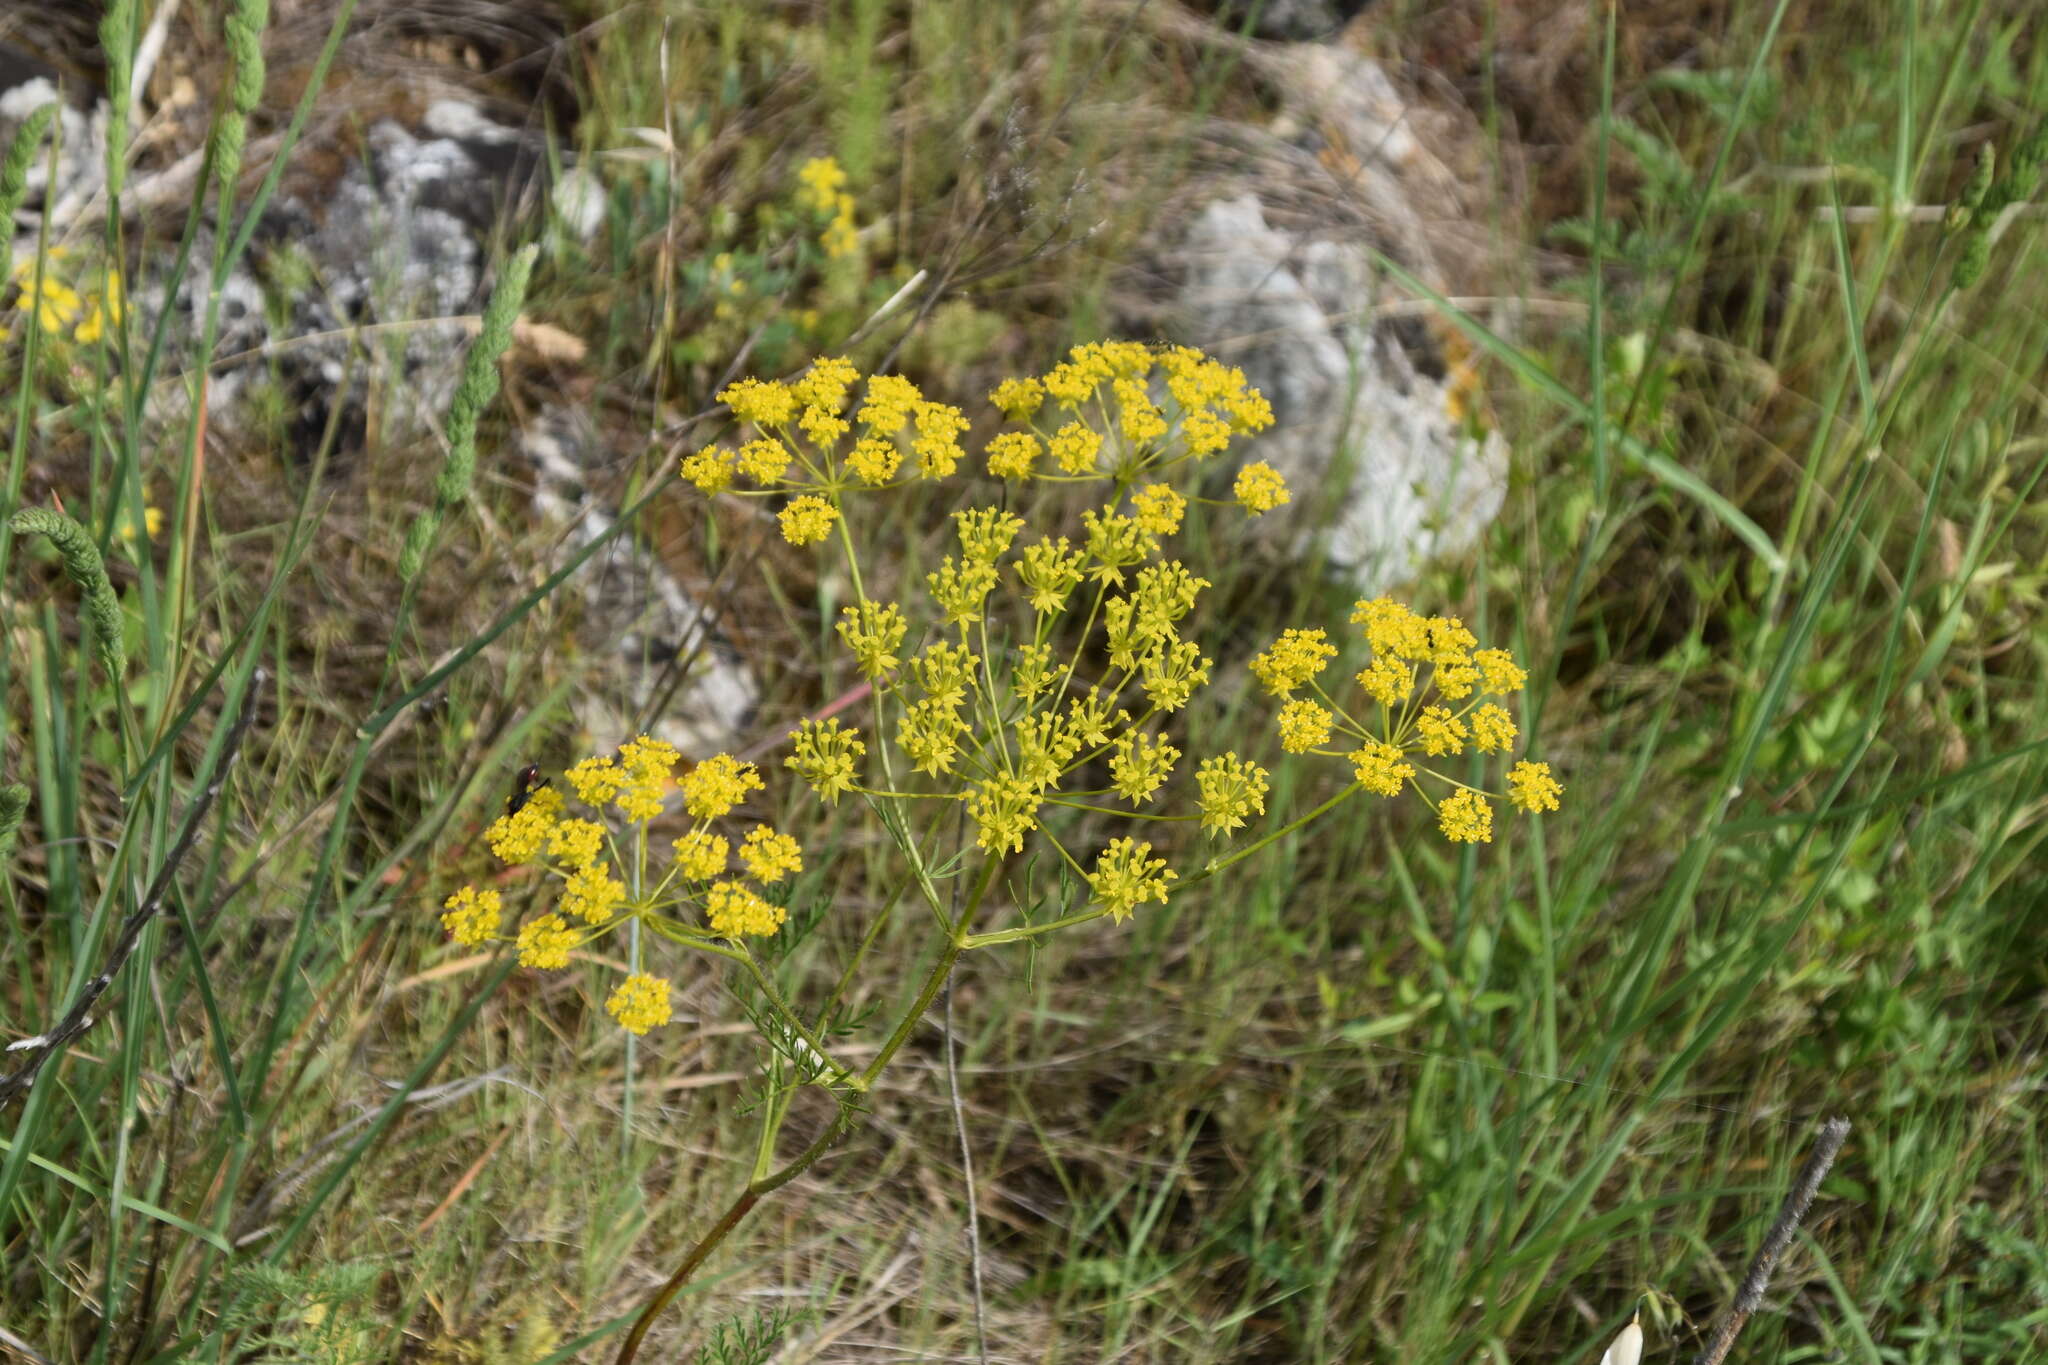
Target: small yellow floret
937,443
1531,787
719,783
1004,810
649,766
1126,876
1465,817
640,1003
1387,680
1205,433
1230,792
472,916
1141,765
1500,671
1493,730
1137,416
519,837
1442,733
826,384
1012,453
1171,673
701,855
807,520
1304,726
545,942
821,426
1380,768
822,179
1017,399
576,843
873,631
765,461
1074,447
1259,488
825,757
596,780
890,401
769,856
1295,660
591,894
874,460
765,403
736,911
1159,508
711,470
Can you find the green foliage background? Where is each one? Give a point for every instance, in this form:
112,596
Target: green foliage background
1774,544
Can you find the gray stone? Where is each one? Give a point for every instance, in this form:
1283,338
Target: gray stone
1272,254
1366,404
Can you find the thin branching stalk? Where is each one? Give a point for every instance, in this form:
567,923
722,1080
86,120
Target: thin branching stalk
1749,1296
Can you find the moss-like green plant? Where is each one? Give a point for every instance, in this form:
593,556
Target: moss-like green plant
473,393
83,565
14,175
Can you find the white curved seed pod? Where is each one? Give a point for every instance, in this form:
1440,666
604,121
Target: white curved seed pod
1627,1348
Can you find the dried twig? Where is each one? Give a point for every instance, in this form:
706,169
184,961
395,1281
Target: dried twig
1750,1295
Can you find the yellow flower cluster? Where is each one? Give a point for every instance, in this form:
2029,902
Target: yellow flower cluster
1413,657
823,192
58,306
1125,877
602,889
1006,728
1023,679
640,1003
1171,406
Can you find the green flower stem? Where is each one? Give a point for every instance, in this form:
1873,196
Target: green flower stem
1119,814
867,941
789,1016
762,1186
688,940
936,982
1249,849
989,940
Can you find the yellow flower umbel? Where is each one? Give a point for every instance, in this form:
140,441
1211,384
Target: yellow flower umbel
1260,489
473,916
608,874
640,1003
733,911
1423,687
1125,877
1005,712
807,520
769,856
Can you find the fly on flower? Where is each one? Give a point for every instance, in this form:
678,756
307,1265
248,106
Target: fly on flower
524,785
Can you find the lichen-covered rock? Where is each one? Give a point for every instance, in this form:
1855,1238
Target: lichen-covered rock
1270,251
1372,405
661,638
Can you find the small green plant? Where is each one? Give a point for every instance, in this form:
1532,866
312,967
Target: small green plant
1025,700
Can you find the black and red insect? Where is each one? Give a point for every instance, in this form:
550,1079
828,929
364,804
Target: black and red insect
524,785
